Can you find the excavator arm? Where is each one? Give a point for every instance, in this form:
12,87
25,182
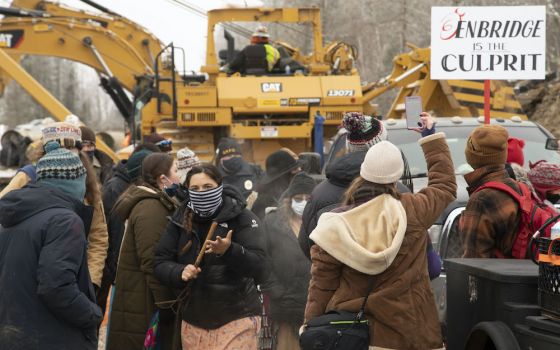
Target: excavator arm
82,42
42,96
138,37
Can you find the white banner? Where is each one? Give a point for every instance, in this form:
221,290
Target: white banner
488,42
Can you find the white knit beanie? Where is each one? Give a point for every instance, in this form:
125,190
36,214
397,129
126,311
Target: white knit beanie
383,164
186,159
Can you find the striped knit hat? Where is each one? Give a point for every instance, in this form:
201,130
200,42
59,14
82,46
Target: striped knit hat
62,169
364,131
186,159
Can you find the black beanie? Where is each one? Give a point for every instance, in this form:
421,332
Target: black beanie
301,184
228,147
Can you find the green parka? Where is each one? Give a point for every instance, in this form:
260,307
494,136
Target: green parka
137,290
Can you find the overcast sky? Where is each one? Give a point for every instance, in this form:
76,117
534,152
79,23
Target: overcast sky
168,20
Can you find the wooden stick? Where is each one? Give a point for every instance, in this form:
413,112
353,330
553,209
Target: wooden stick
211,231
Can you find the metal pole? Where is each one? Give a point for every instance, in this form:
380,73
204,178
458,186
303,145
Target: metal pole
318,134
487,102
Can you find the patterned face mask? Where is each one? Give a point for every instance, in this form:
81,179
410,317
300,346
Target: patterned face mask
206,203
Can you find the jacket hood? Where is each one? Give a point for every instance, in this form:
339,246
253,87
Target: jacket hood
120,171
21,204
344,170
134,194
233,204
365,242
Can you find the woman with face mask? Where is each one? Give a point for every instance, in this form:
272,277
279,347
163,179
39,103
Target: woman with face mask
223,309
145,207
289,268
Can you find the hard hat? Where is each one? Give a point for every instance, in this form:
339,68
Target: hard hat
261,32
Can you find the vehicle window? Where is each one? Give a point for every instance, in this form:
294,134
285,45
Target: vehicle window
457,136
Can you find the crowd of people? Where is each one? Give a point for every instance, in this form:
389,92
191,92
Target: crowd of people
193,255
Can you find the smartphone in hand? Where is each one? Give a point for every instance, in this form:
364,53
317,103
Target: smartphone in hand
413,109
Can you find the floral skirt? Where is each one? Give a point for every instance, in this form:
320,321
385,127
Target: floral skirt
237,335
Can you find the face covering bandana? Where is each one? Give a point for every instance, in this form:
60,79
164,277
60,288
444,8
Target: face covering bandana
206,203
90,155
232,165
298,207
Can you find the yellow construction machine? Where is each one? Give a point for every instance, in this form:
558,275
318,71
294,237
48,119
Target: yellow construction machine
264,111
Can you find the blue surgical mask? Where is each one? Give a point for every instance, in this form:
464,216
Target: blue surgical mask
298,207
172,190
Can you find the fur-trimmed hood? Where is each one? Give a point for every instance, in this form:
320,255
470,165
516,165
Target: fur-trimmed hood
366,238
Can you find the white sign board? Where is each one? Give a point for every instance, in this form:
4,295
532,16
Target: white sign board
488,42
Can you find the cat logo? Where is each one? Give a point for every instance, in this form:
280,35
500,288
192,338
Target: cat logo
271,87
10,38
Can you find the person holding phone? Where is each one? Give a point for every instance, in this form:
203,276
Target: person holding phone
379,234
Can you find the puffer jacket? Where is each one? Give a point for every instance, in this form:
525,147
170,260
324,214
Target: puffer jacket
289,269
47,299
384,241
98,241
137,289
225,290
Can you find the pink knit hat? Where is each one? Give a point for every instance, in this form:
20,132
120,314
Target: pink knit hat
545,177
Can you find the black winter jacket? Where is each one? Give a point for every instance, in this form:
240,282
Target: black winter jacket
242,175
251,58
328,194
225,289
289,269
47,299
112,190
270,195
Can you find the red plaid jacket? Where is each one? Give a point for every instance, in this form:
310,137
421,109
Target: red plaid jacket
490,221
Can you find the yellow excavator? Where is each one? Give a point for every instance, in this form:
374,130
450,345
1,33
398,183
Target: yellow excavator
265,111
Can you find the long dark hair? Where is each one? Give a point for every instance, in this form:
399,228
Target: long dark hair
212,172
155,165
93,193
362,189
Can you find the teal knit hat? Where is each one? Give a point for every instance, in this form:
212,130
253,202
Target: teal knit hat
134,163
62,169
